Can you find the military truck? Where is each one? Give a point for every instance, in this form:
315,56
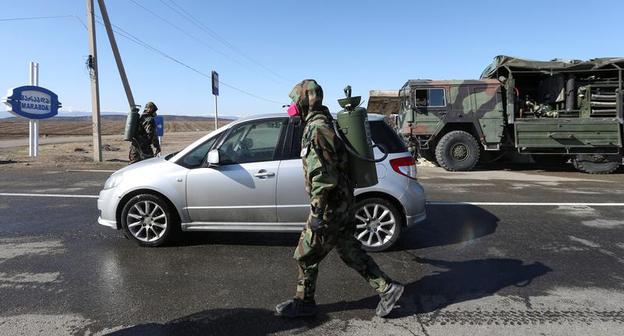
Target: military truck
554,111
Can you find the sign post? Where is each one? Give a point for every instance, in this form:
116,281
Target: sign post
215,92
33,124
33,103
160,128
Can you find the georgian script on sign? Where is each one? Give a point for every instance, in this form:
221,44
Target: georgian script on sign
35,102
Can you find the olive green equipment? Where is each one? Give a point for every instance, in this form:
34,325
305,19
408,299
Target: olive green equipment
351,126
132,124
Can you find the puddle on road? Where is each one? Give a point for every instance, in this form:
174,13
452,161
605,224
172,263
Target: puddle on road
575,210
38,324
604,223
17,247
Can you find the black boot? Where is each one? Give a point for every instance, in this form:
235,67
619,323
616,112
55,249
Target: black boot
389,298
296,308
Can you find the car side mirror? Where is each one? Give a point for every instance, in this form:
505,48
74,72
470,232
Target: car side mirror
213,158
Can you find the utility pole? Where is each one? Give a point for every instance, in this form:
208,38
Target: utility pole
113,43
95,88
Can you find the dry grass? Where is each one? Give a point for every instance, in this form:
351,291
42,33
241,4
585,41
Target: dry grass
79,152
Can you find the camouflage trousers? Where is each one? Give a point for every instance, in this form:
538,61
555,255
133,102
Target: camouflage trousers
138,153
314,246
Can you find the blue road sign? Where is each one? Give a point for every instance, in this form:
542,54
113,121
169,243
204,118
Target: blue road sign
32,102
160,125
215,83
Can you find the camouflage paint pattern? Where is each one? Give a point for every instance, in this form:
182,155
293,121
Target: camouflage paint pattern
477,102
325,166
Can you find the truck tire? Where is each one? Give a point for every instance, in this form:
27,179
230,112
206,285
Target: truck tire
457,151
597,163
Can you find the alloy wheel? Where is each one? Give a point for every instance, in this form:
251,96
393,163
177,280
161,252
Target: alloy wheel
147,221
375,224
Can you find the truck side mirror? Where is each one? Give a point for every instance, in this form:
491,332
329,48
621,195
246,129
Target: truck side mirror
213,158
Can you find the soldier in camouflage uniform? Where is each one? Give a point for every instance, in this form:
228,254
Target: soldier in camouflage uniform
145,137
330,223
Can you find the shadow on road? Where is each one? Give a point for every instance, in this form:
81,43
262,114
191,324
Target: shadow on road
236,321
458,281
239,238
449,224
445,225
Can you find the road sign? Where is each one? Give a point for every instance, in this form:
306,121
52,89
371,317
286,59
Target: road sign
32,102
160,125
215,83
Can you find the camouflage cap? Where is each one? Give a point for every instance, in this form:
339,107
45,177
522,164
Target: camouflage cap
152,106
308,95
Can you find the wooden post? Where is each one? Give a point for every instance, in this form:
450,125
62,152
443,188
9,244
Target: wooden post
95,89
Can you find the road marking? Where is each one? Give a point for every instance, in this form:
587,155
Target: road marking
529,204
430,202
48,195
90,171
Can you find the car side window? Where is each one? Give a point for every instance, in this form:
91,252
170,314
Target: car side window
195,158
295,152
251,142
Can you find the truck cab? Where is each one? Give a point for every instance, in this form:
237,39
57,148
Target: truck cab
452,121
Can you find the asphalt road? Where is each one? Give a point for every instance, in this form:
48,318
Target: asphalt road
519,252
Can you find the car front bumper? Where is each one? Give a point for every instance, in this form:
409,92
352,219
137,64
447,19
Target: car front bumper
107,206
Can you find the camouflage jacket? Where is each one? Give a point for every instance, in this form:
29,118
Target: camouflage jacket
146,132
325,167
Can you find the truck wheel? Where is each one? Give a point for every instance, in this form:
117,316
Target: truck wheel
550,160
597,163
457,151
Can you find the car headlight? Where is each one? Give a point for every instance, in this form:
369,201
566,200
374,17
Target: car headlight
113,181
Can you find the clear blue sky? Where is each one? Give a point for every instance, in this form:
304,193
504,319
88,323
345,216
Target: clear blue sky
368,44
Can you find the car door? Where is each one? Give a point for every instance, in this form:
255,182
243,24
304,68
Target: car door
293,203
241,189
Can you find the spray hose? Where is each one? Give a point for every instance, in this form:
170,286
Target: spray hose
353,152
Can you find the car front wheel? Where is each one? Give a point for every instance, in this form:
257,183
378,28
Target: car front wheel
148,220
378,224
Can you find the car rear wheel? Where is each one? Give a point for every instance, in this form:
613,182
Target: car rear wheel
378,224
148,220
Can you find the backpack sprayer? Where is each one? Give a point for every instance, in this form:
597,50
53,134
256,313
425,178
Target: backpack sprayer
351,127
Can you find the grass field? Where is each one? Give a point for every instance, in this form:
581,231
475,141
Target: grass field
12,128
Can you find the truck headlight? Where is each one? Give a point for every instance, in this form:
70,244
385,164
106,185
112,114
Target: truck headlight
113,181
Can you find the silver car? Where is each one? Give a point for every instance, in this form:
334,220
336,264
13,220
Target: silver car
248,176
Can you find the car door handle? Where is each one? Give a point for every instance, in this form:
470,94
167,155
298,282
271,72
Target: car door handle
263,173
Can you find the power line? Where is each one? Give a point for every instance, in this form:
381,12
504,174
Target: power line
35,18
143,44
184,13
136,40
185,32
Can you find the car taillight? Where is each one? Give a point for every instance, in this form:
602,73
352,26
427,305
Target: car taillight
405,166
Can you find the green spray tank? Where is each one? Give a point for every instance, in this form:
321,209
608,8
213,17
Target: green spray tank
132,123
351,126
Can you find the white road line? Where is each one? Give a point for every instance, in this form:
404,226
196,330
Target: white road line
48,195
529,204
430,203
90,171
